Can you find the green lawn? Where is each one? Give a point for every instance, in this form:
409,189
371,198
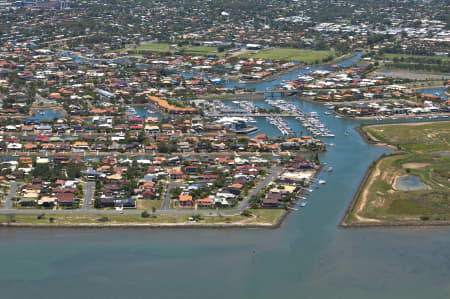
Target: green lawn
266,216
285,54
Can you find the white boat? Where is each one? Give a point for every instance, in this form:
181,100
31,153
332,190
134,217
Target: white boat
303,204
322,181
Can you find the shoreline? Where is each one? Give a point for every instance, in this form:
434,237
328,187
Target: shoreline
352,205
163,225
278,223
145,226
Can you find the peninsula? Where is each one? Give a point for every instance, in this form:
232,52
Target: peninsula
410,186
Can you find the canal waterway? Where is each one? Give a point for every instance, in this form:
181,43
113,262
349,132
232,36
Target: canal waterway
308,257
440,92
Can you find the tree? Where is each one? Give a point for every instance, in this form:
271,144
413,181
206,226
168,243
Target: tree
175,192
10,218
246,213
145,214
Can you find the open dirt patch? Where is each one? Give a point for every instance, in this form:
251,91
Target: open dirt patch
415,165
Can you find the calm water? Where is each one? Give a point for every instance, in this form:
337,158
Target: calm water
308,257
409,183
440,92
45,115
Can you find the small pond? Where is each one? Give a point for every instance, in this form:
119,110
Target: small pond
409,183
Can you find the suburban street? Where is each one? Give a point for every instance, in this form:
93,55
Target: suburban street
86,208
12,192
88,196
166,202
273,173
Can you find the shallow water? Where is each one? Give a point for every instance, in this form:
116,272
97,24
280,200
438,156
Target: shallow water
409,183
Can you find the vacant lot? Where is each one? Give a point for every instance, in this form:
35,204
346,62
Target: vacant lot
384,199
148,204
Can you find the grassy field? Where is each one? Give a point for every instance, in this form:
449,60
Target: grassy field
259,216
157,47
143,204
306,56
406,56
425,156
413,137
416,63
165,47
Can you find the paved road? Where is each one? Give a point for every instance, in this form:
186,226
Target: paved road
89,194
274,172
12,193
166,202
